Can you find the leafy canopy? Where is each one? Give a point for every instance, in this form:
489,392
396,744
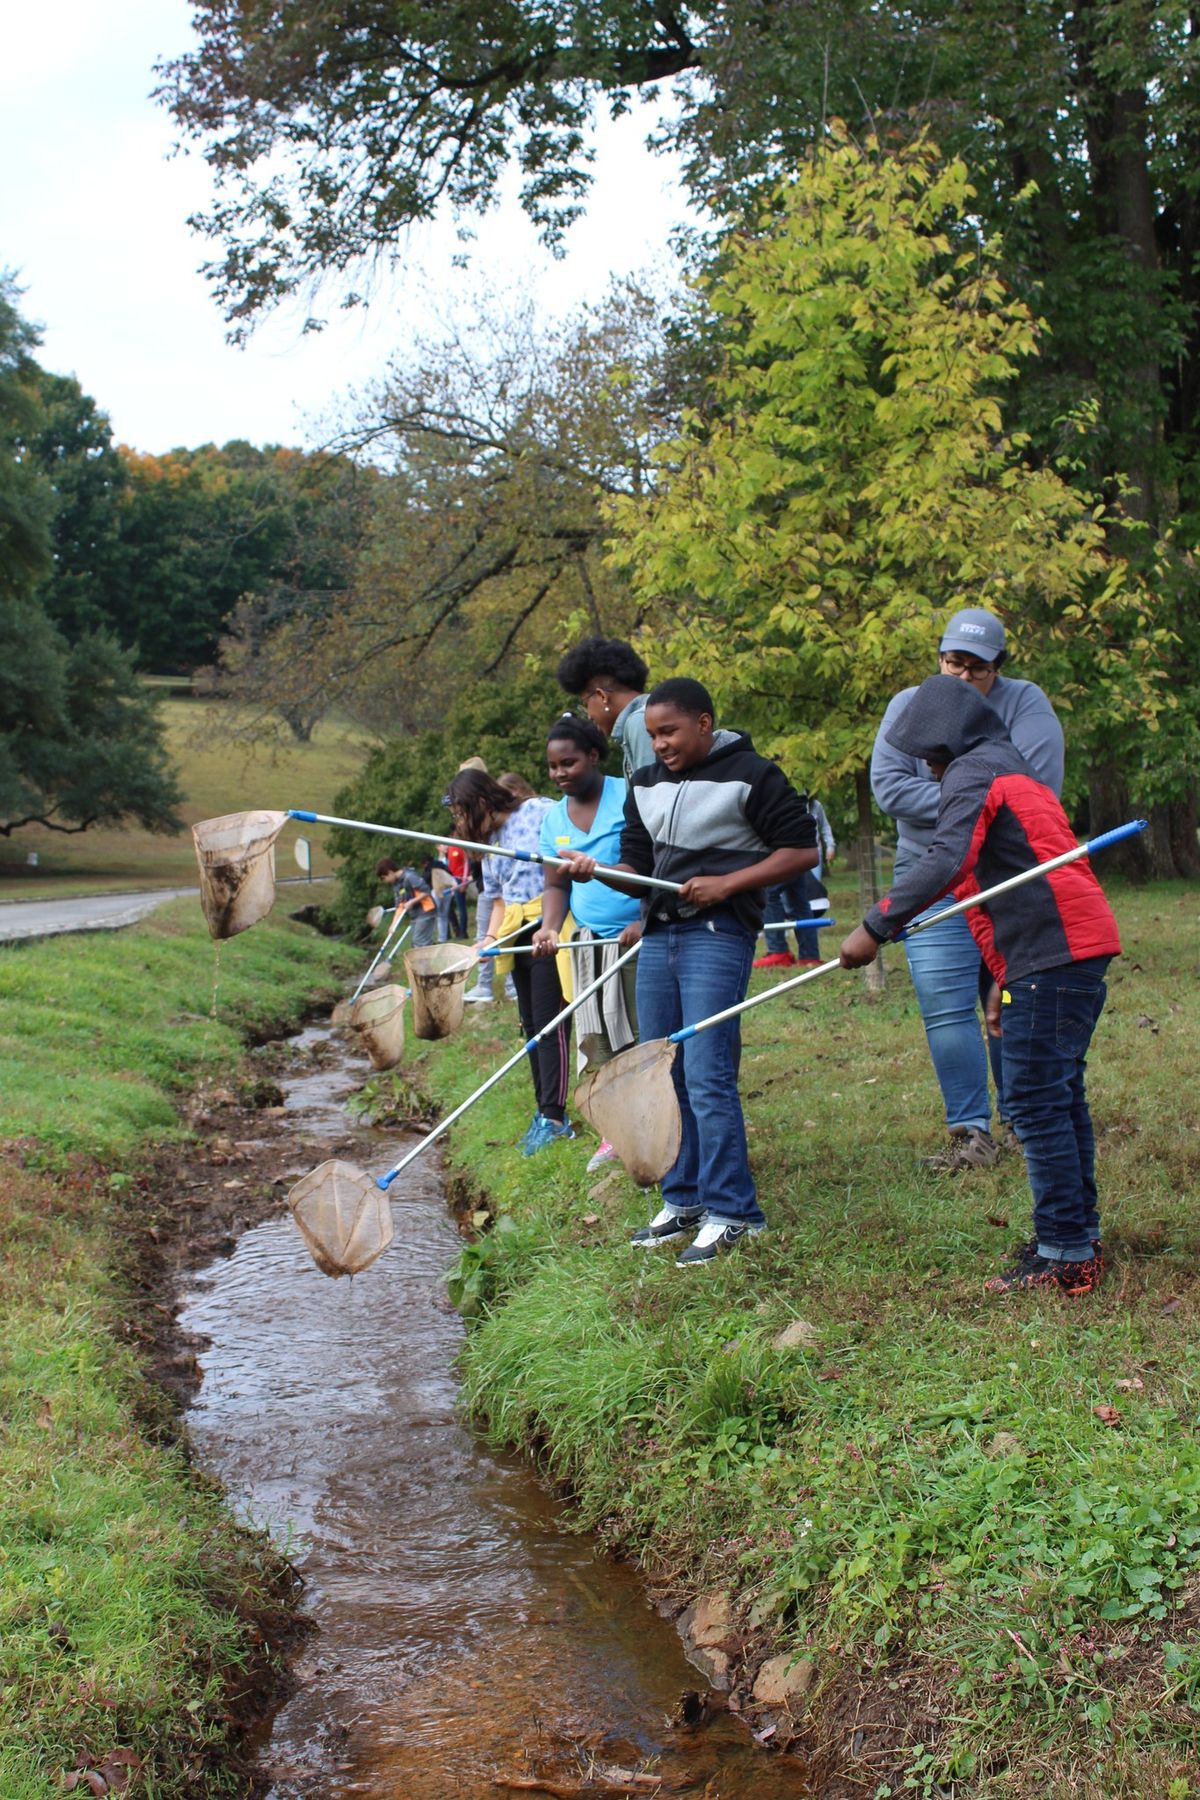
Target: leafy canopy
849,480
80,741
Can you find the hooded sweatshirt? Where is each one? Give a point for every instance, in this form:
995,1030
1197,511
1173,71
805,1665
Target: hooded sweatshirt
994,820
724,813
902,786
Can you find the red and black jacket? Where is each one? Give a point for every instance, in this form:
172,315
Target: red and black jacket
995,820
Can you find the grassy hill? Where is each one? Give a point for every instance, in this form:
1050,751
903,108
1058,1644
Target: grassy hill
219,776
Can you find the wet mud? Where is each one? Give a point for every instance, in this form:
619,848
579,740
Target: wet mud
466,1642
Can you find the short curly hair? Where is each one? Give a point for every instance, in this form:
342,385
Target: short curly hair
598,656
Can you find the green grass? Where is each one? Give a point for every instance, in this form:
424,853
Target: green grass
127,1595
922,1495
219,776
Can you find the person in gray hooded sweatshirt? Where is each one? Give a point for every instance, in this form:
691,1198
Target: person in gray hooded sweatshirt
947,973
1047,944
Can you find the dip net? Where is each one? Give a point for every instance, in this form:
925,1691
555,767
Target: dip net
437,974
631,1102
344,1219
378,1019
236,857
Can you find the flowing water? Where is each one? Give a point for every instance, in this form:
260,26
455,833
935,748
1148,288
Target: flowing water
467,1642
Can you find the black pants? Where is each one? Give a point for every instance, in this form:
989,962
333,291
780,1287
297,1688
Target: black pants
539,997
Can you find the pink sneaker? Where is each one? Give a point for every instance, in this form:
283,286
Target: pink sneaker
604,1154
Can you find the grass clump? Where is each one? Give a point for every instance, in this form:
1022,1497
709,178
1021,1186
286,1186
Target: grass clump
128,1598
100,1032
981,1518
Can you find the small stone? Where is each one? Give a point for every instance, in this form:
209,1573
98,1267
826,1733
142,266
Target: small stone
783,1679
794,1335
713,1664
709,1620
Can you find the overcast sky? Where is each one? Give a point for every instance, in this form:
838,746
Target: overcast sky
93,220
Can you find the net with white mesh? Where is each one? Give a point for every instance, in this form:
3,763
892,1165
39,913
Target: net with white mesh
342,1216
236,857
631,1101
438,974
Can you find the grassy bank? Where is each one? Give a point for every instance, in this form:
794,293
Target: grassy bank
127,1596
998,1583
220,776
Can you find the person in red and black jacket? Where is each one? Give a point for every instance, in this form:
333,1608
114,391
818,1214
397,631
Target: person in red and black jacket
1047,944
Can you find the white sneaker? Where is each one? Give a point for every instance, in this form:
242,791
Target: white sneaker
666,1226
479,994
716,1235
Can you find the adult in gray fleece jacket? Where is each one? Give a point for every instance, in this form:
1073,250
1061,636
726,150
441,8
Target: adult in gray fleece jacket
947,971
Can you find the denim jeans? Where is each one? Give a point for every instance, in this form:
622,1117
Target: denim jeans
950,978
687,972
790,901
1047,1026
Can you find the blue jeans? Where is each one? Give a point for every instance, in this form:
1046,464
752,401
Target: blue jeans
790,901
950,978
687,972
1047,1027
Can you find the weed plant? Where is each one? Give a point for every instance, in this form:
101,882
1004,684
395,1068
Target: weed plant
126,1593
987,1509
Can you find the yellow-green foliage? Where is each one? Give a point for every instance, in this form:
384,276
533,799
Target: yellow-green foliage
848,479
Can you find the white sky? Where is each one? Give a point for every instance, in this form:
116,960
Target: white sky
93,215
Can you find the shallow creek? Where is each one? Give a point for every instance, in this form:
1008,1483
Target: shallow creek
467,1644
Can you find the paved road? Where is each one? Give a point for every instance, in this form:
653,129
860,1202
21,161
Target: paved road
96,912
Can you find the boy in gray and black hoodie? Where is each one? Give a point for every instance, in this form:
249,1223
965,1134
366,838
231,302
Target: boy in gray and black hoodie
725,823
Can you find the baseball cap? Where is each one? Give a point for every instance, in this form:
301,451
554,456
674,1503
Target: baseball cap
976,632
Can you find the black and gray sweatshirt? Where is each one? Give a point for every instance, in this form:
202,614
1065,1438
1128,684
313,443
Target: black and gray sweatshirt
722,814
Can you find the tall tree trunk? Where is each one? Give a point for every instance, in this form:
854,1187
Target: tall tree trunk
1109,805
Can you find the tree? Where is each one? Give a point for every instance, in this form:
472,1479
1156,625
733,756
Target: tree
80,742
329,131
850,480
507,723
207,529
485,540
72,445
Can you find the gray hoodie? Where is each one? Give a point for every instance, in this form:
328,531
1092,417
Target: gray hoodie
905,790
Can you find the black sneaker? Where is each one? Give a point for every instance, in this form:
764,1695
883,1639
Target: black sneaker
715,1238
1032,1270
666,1226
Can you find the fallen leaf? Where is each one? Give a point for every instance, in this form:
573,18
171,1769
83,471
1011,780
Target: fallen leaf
591,1218
1107,1415
994,1219
1146,1023
1135,1384
1170,1306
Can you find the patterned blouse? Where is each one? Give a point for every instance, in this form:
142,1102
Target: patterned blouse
503,875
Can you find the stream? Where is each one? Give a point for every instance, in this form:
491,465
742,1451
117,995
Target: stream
468,1643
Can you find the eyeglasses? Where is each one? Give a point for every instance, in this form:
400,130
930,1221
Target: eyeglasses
954,665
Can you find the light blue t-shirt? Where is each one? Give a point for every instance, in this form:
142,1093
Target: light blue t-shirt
600,908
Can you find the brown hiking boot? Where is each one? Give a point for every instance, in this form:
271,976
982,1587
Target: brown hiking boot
970,1149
